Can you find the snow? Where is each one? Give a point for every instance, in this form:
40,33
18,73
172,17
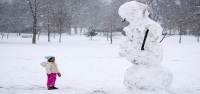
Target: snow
146,74
89,67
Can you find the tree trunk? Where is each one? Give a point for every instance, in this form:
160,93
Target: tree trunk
2,36
34,15
69,30
111,40
48,27
90,37
111,35
198,38
180,34
48,34
34,30
81,30
7,35
180,38
38,35
170,32
54,34
60,36
189,33
107,35
75,29
198,34
34,38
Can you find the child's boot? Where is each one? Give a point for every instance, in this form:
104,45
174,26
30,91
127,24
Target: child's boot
50,88
54,87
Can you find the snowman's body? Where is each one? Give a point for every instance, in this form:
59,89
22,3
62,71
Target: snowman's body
146,72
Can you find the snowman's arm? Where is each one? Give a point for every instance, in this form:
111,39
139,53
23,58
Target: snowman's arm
124,20
163,37
145,37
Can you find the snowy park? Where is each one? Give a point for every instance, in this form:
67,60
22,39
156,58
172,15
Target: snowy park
89,67
127,47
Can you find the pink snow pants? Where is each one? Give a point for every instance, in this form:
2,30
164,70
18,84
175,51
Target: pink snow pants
51,80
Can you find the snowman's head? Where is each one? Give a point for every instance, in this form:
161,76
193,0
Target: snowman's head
133,11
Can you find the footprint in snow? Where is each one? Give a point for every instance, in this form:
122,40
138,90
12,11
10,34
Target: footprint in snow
31,87
97,92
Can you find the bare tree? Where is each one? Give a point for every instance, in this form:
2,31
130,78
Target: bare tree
34,11
48,19
60,16
99,14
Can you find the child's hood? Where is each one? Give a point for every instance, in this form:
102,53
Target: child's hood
43,64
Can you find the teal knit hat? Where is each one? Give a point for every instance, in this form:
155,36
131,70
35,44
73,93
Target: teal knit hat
48,57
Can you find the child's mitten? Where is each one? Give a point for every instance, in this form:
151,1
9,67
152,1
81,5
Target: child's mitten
59,75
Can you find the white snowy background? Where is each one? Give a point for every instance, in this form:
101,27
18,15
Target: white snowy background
89,67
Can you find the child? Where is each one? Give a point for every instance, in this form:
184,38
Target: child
52,71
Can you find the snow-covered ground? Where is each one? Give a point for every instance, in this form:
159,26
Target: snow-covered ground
89,67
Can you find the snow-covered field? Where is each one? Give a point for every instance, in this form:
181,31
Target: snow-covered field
89,67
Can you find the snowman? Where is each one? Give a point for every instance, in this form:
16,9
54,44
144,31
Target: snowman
142,49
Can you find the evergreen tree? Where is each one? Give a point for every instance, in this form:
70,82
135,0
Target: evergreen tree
91,33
